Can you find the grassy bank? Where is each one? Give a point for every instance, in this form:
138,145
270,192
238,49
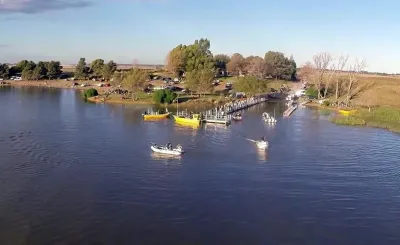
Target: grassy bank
382,117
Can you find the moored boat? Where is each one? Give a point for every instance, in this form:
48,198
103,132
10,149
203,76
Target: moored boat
346,112
193,119
155,115
267,118
237,117
165,150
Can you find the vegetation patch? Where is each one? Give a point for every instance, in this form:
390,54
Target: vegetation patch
90,93
164,96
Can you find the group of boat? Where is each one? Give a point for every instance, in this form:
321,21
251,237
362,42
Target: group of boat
268,118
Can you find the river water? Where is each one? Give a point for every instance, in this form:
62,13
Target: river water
79,173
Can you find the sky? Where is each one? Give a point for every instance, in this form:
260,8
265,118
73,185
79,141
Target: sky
145,30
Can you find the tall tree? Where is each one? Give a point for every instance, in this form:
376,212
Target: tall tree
354,74
278,66
200,81
251,85
109,69
254,66
40,71
176,60
81,69
4,71
20,66
27,72
236,64
322,62
199,56
341,64
135,80
221,61
54,69
96,67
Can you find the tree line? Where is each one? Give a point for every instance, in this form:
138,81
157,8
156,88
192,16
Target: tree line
197,56
199,66
30,70
335,76
97,69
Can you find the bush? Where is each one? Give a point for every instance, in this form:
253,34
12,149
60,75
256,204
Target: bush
164,96
326,103
90,93
312,92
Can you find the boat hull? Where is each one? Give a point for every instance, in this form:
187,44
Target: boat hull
262,144
346,112
190,121
155,117
162,150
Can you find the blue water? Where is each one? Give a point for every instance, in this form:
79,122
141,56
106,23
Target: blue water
79,173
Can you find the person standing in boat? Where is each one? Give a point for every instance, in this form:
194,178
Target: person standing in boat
263,139
169,145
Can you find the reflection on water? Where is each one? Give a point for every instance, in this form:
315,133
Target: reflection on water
262,154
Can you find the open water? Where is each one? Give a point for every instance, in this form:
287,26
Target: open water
79,173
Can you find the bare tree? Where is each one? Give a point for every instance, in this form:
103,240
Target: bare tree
354,76
340,65
321,62
331,73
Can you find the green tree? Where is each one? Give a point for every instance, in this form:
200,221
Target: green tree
27,72
40,71
164,96
251,85
199,56
54,69
278,66
96,67
81,69
109,69
221,60
135,80
117,78
20,66
4,71
90,93
200,81
176,60
196,56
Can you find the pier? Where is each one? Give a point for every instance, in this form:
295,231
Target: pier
222,114
290,110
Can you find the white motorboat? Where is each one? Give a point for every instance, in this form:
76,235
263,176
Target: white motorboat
164,150
267,118
261,144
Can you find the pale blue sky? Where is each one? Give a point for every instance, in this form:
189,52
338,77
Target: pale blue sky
124,30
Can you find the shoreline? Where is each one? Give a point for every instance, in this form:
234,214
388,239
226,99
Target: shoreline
382,117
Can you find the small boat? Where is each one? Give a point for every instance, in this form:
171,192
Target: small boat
261,144
155,115
165,150
267,118
346,112
237,117
193,119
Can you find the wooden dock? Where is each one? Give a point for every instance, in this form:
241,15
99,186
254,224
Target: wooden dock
290,110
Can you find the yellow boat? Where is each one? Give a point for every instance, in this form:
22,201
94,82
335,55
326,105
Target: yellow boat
194,120
346,112
155,116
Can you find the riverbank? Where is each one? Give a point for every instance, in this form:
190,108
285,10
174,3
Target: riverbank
381,117
384,117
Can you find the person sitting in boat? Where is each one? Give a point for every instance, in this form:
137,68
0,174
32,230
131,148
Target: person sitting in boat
169,145
263,139
145,113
